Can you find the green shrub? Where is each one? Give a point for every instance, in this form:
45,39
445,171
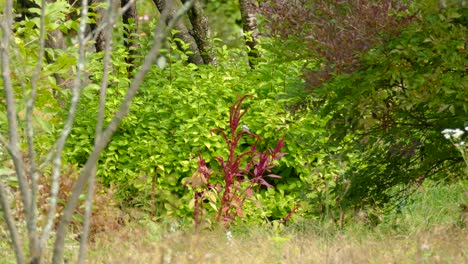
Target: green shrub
156,146
390,113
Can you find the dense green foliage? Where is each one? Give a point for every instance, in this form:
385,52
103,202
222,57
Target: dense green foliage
156,147
390,113
360,140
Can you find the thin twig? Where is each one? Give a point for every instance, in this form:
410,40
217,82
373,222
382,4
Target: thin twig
99,125
30,132
17,245
76,91
13,144
161,33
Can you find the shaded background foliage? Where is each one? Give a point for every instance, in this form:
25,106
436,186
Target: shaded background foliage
391,75
395,108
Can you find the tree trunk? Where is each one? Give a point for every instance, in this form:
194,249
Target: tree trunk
183,34
101,13
249,25
129,18
200,30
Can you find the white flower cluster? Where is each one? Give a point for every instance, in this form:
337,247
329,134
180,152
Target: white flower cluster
454,134
145,18
229,236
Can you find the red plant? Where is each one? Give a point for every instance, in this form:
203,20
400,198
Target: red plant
258,165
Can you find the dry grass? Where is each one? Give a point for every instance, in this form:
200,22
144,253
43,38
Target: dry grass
443,244
429,229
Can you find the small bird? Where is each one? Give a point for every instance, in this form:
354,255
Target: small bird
245,128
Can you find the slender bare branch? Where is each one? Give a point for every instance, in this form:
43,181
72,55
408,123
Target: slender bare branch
13,144
30,134
4,142
161,33
15,239
76,91
99,126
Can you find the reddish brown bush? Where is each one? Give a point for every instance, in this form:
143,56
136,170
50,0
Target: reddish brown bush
106,214
335,31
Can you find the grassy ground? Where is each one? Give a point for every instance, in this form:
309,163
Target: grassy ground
438,245
431,228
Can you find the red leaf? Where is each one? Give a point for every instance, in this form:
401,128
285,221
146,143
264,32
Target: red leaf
279,146
257,203
264,183
274,176
239,212
221,162
218,130
249,192
279,155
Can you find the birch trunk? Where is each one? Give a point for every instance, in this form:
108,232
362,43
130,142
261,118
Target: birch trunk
248,9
